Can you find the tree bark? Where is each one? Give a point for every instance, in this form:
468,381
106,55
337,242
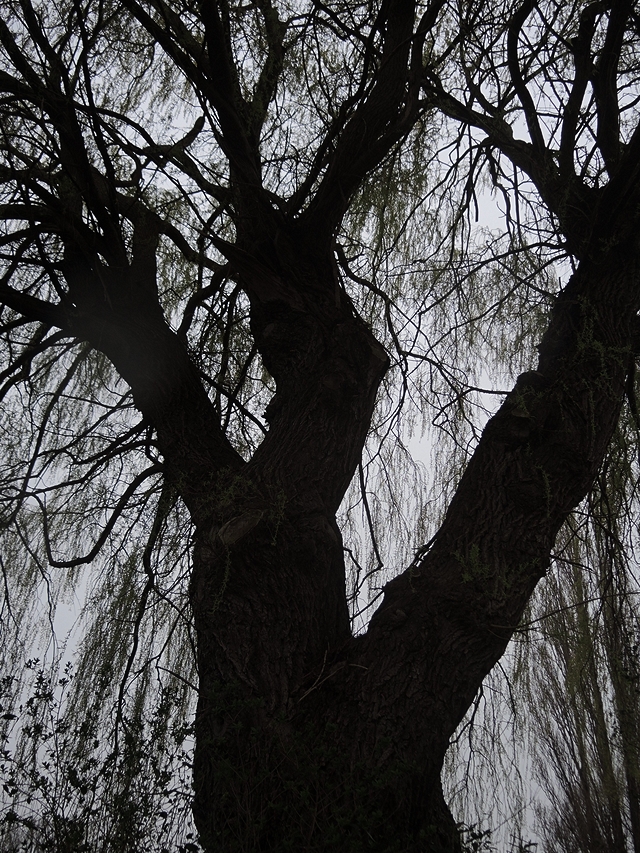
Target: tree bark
306,737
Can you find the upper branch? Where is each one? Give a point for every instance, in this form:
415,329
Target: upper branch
208,63
272,68
226,98
386,114
605,84
97,251
571,201
530,112
581,48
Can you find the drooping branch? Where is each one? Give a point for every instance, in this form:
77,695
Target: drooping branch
118,510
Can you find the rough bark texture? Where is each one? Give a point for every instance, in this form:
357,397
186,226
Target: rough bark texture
308,738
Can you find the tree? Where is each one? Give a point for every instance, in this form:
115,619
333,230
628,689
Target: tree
181,282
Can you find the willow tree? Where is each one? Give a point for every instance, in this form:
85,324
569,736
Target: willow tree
169,286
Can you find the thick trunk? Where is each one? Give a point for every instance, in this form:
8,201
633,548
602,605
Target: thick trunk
268,588
308,738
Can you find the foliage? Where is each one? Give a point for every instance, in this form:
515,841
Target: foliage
69,786
166,168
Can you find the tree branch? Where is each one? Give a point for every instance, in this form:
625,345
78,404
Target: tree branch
381,120
605,85
530,112
581,48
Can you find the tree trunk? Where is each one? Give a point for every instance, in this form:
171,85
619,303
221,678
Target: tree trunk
306,737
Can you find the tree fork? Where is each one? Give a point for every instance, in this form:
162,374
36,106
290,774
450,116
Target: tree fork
444,623
350,733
